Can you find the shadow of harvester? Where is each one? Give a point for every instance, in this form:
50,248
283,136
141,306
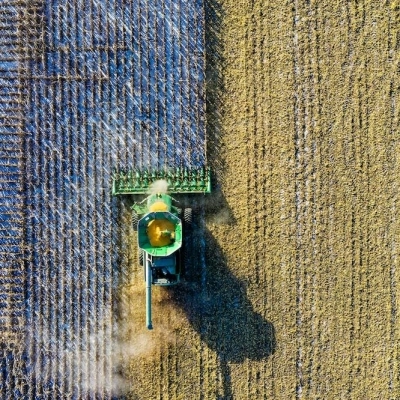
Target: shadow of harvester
216,305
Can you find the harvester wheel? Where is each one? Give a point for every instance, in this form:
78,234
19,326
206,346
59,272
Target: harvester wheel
135,219
140,257
187,217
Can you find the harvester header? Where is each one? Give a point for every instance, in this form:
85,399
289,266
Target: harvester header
180,180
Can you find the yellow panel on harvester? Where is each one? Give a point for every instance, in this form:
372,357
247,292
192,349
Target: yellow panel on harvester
161,232
158,206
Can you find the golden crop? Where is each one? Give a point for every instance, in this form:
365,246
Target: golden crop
299,295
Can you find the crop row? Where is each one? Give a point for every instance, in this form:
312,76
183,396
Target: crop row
11,204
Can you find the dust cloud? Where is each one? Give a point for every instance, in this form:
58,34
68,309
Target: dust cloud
160,186
141,345
133,343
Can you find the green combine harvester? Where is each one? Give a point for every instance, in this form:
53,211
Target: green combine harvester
158,222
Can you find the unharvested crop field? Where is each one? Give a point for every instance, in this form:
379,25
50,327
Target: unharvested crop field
292,277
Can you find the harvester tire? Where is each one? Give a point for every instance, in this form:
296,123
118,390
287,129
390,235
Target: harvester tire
140,257
187,217
135,219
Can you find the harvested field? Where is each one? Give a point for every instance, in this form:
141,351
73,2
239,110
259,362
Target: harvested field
293,283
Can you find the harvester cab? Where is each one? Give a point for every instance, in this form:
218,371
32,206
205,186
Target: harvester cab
158,222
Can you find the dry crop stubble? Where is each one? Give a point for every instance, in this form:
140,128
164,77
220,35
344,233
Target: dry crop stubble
269,190
316,149
164,362
308,151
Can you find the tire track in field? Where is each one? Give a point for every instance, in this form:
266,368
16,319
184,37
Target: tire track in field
363,185
307,147
380,186
260,288
316,220
253,217
351,60
300,201
394,228
259,275
271,211
254,155
268,205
